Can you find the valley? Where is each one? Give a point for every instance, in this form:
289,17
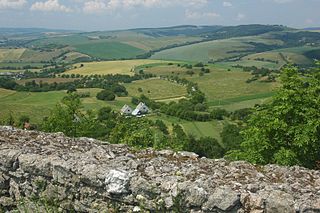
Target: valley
213,58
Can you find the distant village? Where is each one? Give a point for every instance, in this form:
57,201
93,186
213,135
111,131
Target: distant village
140,111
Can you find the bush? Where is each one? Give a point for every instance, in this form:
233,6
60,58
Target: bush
206,147
106,95
286,131
219,113
231,137
199,65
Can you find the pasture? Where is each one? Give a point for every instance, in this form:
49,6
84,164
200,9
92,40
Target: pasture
195,128
125,67
220,84
37,105
156,89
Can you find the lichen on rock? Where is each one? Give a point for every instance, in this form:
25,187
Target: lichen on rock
38,170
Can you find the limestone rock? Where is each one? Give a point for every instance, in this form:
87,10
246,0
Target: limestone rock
87,175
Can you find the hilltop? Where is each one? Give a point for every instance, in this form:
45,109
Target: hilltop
41,172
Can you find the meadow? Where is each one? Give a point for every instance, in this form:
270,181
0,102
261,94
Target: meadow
156,89
37,105
220,85
125,67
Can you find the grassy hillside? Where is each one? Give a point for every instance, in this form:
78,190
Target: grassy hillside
111,67
218,49
112,45
219,84
38,105
11,54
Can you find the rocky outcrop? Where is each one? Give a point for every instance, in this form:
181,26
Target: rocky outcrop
39,170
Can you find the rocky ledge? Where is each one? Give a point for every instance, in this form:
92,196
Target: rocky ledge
86,175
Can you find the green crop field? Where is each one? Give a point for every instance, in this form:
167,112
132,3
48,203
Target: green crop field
111,67
109,50
156,89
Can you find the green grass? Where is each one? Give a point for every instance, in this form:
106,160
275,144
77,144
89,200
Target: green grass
195,128
111,67
156,89
38,105
244,104
204,51
212,50
238,99
219,84
119,44
293,55
108,50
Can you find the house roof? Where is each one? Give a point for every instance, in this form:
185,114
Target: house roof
142,107
126,109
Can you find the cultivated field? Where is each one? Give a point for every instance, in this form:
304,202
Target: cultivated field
111,67
11,54
109,50
114,45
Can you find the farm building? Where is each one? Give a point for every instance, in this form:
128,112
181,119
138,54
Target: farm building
140,109
126,110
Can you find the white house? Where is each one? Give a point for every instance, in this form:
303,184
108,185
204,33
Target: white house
126,110
140,109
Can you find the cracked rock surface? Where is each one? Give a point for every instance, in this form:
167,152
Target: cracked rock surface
87,175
